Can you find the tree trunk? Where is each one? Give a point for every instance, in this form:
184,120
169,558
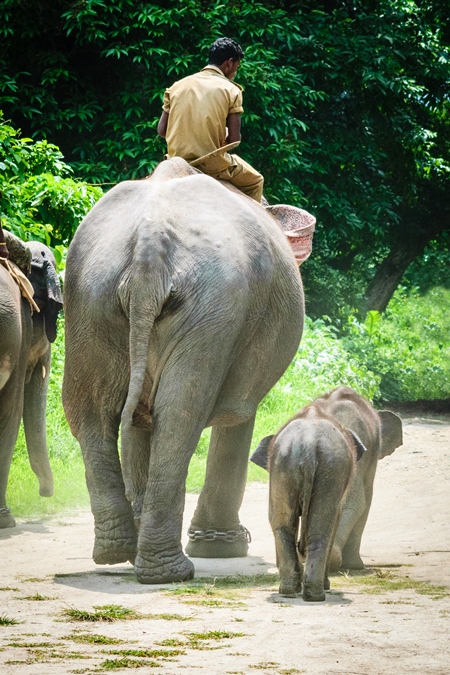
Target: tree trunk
390,272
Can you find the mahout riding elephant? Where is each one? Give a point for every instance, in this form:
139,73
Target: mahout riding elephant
380,433
312,461
183,307
25,357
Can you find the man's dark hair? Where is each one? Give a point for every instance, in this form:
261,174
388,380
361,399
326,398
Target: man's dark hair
223,49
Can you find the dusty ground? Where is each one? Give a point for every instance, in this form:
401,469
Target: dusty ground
46,568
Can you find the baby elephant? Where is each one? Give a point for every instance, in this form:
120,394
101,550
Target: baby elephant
315,474
311,462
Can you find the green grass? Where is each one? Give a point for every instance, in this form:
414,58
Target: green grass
101,613
6,620
221,592
37,597
147,653
408,346
381,581
93,639
125,662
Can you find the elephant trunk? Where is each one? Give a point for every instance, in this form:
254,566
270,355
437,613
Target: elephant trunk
34,421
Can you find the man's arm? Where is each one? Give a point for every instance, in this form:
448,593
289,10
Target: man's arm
234,127
162,124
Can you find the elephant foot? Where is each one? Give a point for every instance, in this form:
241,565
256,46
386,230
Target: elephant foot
157,569
335,561
45,478
352,562
114,552
290,588
46,490
217,543
119,547
6,519
313,595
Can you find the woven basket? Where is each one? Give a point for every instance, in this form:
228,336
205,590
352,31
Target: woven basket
298,225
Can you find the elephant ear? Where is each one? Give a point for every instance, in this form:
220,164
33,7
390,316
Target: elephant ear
261,454
47,287
391,432
359,445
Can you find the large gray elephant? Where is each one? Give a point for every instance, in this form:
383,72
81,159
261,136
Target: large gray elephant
380,433
183,306
25,356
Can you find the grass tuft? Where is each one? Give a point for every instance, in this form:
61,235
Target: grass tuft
37,597
168,617
147,653
118,664
385,581
93,639
101,613
6,620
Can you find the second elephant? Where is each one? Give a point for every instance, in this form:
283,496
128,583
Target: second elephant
312,462
381,433
25,366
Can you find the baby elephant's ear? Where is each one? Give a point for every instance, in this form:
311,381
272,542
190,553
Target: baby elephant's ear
391,432
359,445
261,454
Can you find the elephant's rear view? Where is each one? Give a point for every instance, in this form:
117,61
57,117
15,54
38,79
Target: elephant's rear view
184,306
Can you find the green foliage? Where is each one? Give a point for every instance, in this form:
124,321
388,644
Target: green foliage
408,348
432,268
346,108
38,198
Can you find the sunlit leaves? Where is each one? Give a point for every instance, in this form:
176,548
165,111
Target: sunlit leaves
38,197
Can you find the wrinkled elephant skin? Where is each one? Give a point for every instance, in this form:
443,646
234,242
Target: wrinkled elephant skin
25,356
184,306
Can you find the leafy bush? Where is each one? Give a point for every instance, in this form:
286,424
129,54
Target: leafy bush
38,198
408,347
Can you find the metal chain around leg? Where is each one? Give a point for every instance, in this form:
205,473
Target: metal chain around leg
229,536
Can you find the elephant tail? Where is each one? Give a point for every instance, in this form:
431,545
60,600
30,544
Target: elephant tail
142,301
305,498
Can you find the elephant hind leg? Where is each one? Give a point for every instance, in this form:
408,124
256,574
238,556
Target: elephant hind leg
323,518
93,404
221,498
284,514
115,530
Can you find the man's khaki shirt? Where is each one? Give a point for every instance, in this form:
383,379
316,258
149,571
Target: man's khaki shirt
198,107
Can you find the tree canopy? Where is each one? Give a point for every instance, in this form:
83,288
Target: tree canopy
346,112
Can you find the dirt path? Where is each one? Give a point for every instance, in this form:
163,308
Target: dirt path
246,627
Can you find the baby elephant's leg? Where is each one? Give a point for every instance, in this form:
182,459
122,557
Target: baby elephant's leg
284,516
